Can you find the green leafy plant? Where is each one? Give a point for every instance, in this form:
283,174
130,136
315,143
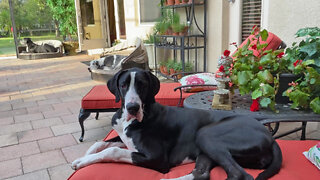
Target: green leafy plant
258,73
178,66
307,49
188,67
304,59
151,39
170,64
64,12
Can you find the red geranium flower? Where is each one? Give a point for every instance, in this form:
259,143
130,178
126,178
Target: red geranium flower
280,55
254,47
297,62
221,69
226,53
255,105
254,27
260,67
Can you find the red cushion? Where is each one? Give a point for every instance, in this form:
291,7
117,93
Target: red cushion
273,43
99,97
294,167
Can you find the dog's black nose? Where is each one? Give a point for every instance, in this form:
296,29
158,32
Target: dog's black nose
133,108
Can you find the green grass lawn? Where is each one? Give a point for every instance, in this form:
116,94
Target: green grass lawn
7,44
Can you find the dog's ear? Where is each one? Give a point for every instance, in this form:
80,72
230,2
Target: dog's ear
113,85
154,86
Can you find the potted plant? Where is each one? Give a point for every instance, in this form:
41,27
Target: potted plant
177,2
170,2
170,66
304,59
163,67
258,75
175,24
149,44
178,68
188,67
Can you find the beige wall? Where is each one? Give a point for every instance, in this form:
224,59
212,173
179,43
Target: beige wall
285,17
133,27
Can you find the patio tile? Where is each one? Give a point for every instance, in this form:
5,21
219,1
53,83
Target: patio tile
36,134
65,128
4,114
38,109
56,142
70,118
10,168
56,113
6,121
48,101
42,161
34,98
73,152
28,117
19,150
8,139
5,106
7,129
91,135
101,122
46,123
37,175
60,172
19,105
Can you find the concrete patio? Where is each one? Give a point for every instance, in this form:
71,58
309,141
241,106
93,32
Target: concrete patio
39,105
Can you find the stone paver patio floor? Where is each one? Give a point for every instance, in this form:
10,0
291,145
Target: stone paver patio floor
39,106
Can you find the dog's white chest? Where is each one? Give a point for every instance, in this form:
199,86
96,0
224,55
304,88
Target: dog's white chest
121,129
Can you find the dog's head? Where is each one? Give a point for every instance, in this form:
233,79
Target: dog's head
27,40
136,88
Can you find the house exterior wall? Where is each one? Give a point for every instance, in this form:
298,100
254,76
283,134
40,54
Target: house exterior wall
285,17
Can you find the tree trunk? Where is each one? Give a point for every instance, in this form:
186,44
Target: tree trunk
56,25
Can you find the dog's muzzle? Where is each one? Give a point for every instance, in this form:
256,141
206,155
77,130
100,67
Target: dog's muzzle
133,108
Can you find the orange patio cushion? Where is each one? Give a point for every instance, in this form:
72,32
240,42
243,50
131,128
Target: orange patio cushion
294,167
99,97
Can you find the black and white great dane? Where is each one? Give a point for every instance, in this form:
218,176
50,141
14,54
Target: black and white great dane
161,137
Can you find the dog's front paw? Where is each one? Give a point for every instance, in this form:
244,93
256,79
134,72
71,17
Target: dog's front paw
80,163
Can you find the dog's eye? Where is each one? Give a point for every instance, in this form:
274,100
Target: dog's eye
123,86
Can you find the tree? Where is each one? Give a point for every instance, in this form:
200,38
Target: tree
64,12
5,22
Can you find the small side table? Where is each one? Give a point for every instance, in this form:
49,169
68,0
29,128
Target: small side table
241,105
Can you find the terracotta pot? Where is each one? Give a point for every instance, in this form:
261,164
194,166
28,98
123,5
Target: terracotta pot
184,1
190,2
179,76
165,70
170,2
177,2
175,33
162,69
172,71
184,31
169,31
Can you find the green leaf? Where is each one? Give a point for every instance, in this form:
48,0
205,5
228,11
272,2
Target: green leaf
266,59
308,62
244,77
256,94
265,102
264,35
315,105
255,83
312,81
299,98
310,48
267,90
265,76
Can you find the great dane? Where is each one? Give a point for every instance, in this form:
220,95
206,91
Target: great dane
35,48
161,137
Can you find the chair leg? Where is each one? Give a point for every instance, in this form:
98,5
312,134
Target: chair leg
303,131
83,115
97,115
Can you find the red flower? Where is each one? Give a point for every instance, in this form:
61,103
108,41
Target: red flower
254,27
297,62
255,105
221,68
260,67
234,43
254,47
226,53
280,55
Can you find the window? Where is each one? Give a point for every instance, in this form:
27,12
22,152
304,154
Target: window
149,11
251,15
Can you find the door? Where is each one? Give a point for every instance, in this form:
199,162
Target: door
93,24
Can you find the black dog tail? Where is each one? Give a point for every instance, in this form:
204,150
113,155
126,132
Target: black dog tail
275,165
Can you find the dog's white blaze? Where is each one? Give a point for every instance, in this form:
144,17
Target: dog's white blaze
187,161
121,129
133,97
186,177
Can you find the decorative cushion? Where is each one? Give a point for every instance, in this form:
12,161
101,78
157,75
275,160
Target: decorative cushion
99,97
313,155
294,167
199,79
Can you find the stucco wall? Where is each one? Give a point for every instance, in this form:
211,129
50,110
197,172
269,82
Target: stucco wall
285,17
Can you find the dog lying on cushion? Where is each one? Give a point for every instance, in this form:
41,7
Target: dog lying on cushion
161,137
35,48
